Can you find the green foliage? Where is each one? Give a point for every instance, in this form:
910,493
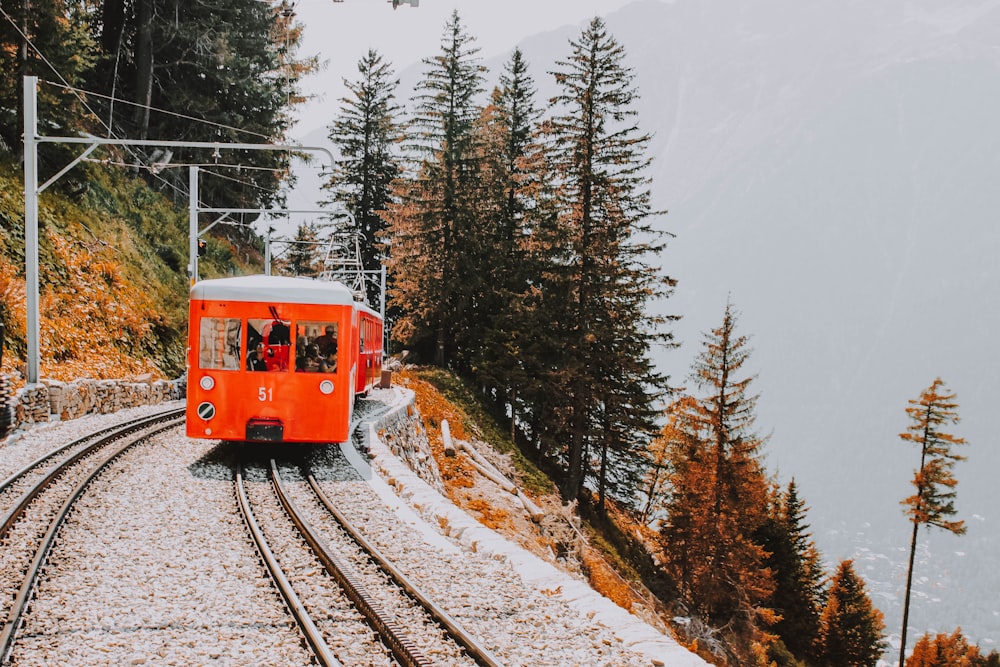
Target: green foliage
434,223
596,281
366,132
302,257
107,295
798,574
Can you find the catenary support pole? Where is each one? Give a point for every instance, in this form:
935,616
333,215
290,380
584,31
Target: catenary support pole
193,224
31,224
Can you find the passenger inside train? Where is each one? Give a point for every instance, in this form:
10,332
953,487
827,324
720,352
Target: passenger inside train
255,359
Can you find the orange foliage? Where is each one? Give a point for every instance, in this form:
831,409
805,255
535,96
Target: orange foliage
434,409
943,650
491,517
91,319
606,581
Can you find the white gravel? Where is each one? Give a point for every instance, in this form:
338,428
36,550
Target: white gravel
154,567
195,593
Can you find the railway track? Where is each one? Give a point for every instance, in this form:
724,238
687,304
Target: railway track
339,570
152,563
37,499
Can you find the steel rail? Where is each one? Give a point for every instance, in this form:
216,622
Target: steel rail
79,441
319,646
110,433
395,637
15,615
476,651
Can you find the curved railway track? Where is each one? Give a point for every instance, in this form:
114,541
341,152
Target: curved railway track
382,595
49,496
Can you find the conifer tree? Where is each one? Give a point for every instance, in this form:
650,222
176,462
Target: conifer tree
934,501
597,278
944,650
851,629
434,222
720,494
798,572
663,452
301,258
512,193
61,39
230,63
365,133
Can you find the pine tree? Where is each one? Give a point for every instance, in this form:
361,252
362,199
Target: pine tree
61,39
597,277
229,64
851,629
933,503
366,132
720,494
512,191
798,572
301,258
433,223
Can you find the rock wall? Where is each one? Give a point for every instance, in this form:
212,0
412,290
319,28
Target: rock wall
51,400
402,430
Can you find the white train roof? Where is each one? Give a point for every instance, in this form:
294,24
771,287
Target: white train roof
274,289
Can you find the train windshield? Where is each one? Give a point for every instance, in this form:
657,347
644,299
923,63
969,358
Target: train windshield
269,342
219,343
316,347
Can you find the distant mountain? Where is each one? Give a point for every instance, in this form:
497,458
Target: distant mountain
831,167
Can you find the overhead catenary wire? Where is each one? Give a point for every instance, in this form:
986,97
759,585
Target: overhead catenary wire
79,93
118,100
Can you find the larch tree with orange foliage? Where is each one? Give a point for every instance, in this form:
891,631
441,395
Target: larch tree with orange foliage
952,650
665,452
933,503
719,495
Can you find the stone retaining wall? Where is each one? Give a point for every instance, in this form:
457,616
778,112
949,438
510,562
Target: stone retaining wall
51,400
402,430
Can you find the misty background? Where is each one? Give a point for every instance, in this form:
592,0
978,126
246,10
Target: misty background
830,167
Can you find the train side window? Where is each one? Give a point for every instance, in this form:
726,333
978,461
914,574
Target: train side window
219,343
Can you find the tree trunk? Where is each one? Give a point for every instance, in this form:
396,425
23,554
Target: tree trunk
144,64
906,599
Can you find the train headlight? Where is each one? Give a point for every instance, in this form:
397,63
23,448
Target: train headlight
326,387
207,382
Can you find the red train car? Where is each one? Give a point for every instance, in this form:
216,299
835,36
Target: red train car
278,359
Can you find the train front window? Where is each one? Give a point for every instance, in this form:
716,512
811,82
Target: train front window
268,344
316,347
219,343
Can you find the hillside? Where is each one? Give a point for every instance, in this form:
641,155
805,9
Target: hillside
113,283
607,552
